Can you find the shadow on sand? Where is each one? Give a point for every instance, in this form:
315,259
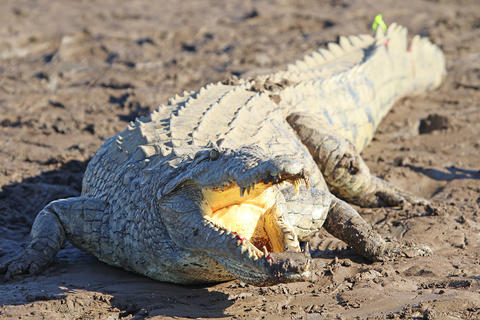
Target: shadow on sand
451,173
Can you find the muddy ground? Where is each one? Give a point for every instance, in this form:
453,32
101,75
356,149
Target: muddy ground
73,73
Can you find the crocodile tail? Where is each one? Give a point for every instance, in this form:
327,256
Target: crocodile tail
424,61
353,84
421,63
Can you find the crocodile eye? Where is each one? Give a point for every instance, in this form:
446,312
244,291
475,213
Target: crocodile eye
214,154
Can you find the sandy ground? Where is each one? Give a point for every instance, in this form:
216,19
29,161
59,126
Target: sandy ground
73,73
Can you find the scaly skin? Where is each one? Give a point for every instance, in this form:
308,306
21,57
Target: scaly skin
153,195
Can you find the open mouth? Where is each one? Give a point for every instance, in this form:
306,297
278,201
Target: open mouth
253,216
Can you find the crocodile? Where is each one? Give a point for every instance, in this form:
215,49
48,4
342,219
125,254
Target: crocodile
231,181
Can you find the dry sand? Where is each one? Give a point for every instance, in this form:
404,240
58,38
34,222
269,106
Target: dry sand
73,73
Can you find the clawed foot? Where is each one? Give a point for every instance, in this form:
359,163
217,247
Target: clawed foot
398,198
387,195
396,250
29,262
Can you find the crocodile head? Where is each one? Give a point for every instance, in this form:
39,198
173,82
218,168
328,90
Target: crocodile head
228,205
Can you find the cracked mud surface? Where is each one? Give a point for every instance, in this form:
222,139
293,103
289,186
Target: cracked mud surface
73,73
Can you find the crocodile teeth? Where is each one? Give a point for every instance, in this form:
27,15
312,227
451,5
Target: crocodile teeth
306,182
265,251
296,185
245,248
252,254
306,251
242,191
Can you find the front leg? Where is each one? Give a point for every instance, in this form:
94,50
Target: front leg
345,172
346,224
49,231
313,208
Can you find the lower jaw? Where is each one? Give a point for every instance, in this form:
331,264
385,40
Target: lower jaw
287,278
258,228
260,268
265,278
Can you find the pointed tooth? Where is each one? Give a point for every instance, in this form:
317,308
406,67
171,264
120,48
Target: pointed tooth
298,181
242,191
307,250
248,190
295,186
265,251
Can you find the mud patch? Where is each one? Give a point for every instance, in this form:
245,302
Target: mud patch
70,77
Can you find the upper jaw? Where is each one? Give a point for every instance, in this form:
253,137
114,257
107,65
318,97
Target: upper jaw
242,167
